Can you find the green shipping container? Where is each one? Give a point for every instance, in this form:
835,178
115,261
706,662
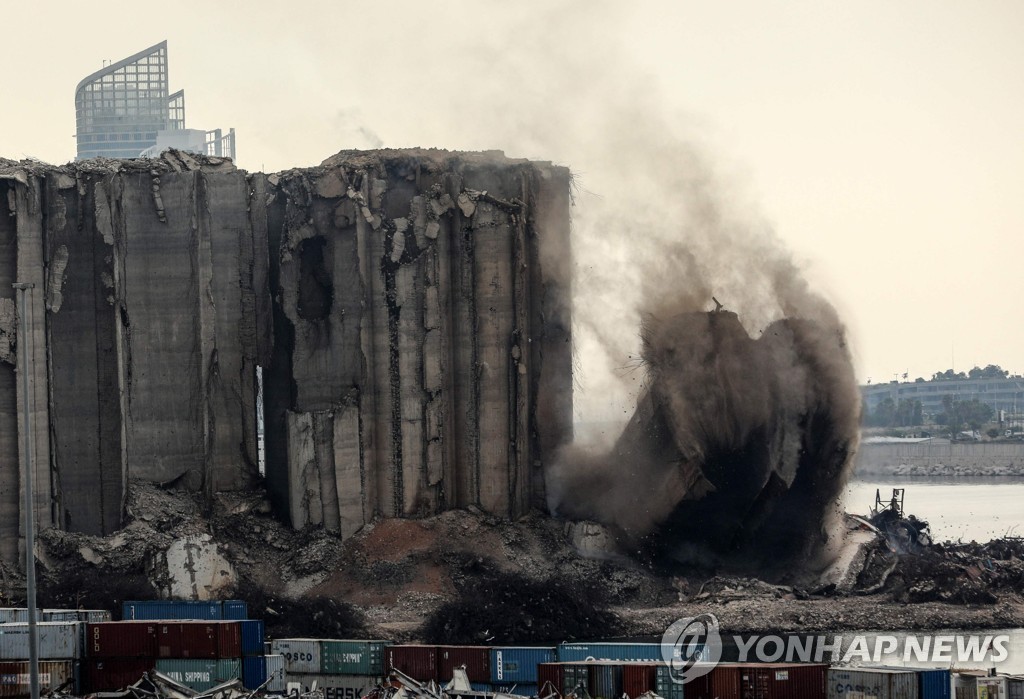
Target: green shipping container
665,686
200,674
352,657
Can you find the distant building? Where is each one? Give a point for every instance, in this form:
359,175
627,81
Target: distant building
126,110
1000,393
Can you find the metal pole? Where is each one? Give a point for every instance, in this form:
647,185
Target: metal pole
25,353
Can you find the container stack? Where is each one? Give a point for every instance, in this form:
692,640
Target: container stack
200,644
344,669
60,649
515,669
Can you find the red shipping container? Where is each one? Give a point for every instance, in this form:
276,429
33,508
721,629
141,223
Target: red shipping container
477,660
168,639
638,678
553,673
783,681
112,674
121,639
198,640
418,662
229,639
760,681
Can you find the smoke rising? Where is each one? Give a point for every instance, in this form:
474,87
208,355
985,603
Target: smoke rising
733,431
741,423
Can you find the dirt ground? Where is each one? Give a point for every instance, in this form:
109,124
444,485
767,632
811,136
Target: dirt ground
463,576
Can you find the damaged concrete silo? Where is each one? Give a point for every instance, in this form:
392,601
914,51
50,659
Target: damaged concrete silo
421,321
410,310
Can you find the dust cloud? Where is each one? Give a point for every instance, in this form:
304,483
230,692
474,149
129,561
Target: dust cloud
715,438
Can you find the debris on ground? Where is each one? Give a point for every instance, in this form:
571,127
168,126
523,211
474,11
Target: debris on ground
469,577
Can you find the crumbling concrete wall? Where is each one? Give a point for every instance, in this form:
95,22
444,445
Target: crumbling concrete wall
409,309
421,334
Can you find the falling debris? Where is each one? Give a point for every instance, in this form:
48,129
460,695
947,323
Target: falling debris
737,451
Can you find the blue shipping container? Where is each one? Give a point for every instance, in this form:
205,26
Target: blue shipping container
254,671
510,665
203,610
935,684
235,610
252,636
480,686
632,652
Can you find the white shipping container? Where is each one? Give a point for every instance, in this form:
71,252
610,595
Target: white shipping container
878,683
58,640
275,673
301,655
335,686
13,615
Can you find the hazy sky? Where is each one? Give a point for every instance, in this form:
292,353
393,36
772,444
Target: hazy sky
882,142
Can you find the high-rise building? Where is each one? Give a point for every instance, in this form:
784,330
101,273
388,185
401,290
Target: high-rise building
126,110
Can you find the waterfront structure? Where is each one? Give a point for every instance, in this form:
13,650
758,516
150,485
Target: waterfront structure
126,109
1002,394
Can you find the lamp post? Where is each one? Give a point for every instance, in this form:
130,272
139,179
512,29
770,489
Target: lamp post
24,336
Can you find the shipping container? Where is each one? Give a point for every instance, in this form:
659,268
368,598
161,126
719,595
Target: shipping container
235,610
481,686
149,610
1015,687
638,678
934,684
780,680
252,633
94,616
301,655
57,615
335,686
254,671
121,639
275,673
627,652
418,662
874,682
53,674
13,615
200,674
664,684
344,657
574,675
477,660
605,680
511,664
57,640
553,673
113,674
229,639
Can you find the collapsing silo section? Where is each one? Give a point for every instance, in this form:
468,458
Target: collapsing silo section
409,310
421,320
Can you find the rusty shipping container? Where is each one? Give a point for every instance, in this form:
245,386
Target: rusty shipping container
199,639
638,678
877,683
418,662
121,639
760,681
477,660
112,674
550,672
53,674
